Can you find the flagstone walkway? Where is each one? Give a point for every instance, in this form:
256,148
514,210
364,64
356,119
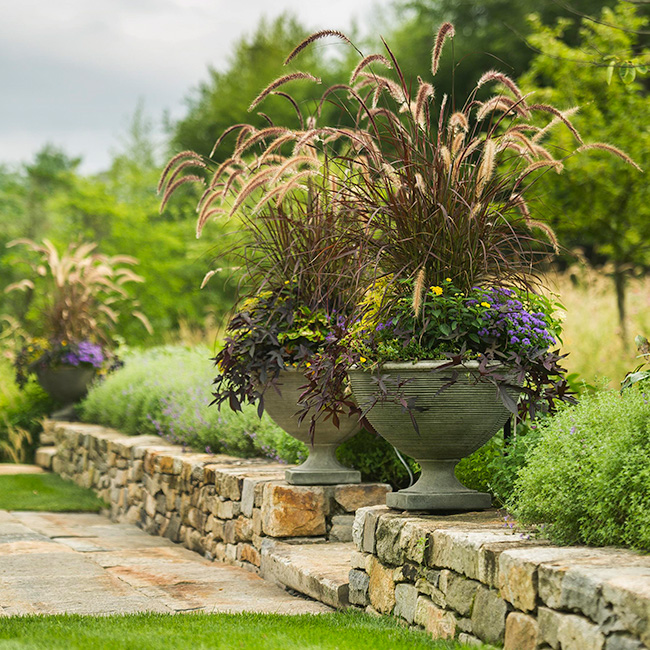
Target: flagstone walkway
84,564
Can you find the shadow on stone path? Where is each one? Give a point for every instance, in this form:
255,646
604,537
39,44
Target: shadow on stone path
84,564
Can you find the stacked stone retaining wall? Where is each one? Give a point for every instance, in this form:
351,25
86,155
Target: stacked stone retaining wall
221,506
473,578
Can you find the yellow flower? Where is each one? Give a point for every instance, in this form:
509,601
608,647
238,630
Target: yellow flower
308,364
436,290
64,343
287,281
362,359
485,304
447,279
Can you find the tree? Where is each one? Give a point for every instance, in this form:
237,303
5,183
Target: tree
489,34
600,203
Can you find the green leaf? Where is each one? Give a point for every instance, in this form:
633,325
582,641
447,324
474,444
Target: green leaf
610,72
445,329
628,74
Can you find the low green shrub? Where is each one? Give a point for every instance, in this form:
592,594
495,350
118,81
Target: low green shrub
587,481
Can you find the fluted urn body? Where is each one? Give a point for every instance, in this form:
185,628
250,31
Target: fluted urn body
321,466
452,424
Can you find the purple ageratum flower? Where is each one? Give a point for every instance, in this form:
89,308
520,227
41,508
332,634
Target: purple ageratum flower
71,359
509,317
90,353
86,352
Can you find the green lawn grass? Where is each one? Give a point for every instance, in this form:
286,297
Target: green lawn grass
343,630
45,492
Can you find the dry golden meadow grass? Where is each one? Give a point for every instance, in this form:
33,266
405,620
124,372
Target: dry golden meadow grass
592,335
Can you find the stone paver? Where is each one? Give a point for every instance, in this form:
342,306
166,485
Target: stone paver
82,563
13,468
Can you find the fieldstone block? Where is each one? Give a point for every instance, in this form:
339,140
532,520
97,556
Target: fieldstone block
549,622
293,511
243,529
195,519
439,623
150,505
173,528
229,483
225,509
248,553
577,633
454,549
229,531
489,616
406,599
341,530
519,571
469,639
353,497
371,516
460,593
44,455
358,587
381,587
629,596
387,535
522,632
257,521
248,496
623,642
165,464
359,560
425,587
357,529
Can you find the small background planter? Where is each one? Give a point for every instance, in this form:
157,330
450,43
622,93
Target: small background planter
453,425
66,384
322,466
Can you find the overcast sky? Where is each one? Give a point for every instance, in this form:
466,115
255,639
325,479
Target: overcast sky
73,71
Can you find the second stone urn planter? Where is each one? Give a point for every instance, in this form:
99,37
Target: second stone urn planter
322,466
66,384
452,423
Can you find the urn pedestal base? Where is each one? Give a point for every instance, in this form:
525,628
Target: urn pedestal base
438,490
321,468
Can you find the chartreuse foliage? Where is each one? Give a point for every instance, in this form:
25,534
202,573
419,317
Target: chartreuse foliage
253,631
20,412
587,481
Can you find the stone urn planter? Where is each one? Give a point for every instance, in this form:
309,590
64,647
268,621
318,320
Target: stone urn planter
452,425
66,384
321,467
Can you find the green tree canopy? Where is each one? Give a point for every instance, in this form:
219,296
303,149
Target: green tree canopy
489,34
600,203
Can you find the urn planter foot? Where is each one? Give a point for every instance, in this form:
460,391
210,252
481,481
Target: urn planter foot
65,414
322,468
438,490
